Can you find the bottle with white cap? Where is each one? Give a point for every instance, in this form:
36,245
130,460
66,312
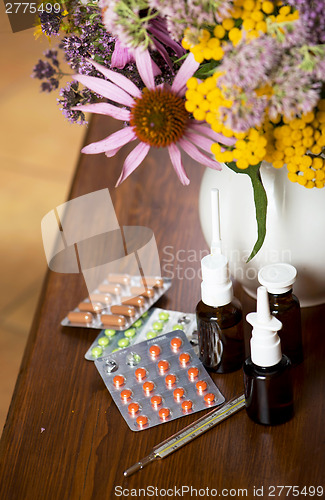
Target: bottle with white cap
284,305
219,313
267,372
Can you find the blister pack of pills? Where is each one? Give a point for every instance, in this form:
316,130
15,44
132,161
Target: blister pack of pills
158,380
154,322
118,302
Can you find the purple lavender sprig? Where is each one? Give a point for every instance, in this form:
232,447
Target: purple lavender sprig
48,71
50,22
89,39
71,95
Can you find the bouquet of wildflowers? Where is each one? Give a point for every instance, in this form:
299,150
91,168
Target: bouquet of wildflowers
227,81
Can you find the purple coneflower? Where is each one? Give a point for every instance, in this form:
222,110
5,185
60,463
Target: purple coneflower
156,116
137,27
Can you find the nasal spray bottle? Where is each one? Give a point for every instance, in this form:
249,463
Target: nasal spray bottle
219,314
267,373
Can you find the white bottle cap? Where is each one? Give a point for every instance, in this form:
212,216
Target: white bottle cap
277,278
216,287
265,342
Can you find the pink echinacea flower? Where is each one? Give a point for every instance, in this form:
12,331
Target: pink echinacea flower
156,116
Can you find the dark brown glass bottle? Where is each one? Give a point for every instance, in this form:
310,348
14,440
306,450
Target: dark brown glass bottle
286,308
268,392
221,336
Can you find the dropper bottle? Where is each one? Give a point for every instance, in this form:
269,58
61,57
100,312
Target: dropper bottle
267,373
219,313
284,305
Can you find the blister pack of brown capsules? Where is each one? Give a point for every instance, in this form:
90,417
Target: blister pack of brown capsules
118,302
158,380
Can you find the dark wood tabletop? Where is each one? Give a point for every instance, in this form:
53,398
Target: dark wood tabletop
64,437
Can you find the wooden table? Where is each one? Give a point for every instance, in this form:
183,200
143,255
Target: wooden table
64,437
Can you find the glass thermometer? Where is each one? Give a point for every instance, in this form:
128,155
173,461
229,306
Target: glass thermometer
192,431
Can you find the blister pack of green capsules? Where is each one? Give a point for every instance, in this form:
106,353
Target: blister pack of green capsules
153,323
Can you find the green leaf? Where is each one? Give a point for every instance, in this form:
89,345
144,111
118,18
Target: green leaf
207,69
260,199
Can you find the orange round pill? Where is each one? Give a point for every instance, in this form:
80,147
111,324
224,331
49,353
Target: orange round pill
155,401
118,381
187,405
133,408
176,343
209,398
142,421
178,393
154,351
201,386
184,358
163,366
140,374
170,380
192,373
126,394
164,413
148,387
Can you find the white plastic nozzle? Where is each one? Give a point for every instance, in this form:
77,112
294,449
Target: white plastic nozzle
265,341
216,286
215,212
263,306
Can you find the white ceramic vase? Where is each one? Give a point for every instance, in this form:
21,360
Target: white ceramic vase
295,228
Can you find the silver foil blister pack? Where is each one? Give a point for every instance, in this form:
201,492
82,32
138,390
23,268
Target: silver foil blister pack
118,302
158,380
